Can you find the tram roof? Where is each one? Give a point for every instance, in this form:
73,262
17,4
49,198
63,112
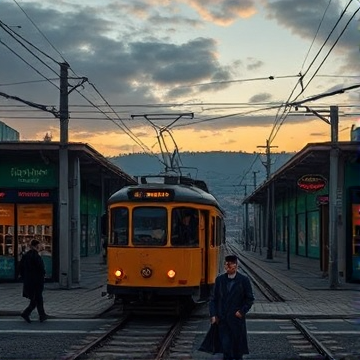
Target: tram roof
182,193
314,158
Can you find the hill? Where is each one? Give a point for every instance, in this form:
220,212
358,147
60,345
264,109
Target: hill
229,175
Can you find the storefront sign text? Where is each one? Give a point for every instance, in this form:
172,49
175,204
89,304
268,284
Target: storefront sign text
312,183
33,194
28,175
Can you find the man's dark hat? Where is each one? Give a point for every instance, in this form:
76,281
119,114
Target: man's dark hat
34,243
231,258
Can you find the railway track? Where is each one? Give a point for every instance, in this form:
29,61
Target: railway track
132,337
310,337
266,289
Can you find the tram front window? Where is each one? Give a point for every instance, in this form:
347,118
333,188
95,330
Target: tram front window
185,227
119,226
149,226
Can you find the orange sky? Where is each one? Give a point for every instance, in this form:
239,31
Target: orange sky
291,137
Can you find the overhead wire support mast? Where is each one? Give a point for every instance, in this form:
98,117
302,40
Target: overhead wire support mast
69,249
270,203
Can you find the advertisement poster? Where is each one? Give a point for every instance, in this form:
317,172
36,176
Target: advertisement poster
35,221
7,261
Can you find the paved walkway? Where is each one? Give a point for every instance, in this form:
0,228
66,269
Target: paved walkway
301,283
83,301
306,291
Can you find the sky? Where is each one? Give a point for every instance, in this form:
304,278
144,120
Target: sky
146,75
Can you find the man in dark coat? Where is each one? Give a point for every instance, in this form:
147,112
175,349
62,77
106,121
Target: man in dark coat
32,271
231,299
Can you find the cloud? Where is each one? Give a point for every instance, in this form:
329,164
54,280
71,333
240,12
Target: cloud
121,68
254,64
303,18
258,98
158,56
223,12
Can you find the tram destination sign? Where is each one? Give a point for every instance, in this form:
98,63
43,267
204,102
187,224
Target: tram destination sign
151,194
312,183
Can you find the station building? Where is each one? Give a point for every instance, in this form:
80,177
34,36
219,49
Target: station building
29,201
300,207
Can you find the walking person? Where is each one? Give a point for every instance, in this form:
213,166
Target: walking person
231,299
32,271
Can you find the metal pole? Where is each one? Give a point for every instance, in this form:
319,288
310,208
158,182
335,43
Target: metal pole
64,233
246,223
255,222
269,218
333,189
269,254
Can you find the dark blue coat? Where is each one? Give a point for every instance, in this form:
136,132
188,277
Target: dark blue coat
224,304
32,271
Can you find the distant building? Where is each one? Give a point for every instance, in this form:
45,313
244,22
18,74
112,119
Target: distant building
7,133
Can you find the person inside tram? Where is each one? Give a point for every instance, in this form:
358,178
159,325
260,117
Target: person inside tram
158,231
186,233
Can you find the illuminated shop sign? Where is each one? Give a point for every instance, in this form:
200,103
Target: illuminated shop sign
26,195
322,200
312,183
153,194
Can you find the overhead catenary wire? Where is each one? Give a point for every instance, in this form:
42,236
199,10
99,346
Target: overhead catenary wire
280,120
332,47
40,32
27,63
271,77
316,34
127,131
213,118
11,33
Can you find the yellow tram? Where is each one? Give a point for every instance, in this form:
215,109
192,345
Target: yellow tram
165,240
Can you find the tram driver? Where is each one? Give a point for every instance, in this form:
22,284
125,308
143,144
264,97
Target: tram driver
185,231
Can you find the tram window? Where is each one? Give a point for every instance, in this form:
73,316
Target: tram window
149,226
213,235
184,227
223,232
119,226
219,231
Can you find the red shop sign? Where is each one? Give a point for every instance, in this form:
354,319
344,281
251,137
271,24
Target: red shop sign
312,183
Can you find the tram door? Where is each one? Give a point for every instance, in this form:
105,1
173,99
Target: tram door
355,234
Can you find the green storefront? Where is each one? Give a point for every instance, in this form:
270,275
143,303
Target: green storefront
29,202
300,220
28,198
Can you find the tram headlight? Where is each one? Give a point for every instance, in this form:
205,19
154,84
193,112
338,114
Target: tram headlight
119,273
171,274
